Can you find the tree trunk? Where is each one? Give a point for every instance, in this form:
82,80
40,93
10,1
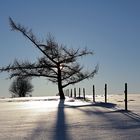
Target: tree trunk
61,93
60,87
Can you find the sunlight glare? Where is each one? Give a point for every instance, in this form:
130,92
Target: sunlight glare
40,105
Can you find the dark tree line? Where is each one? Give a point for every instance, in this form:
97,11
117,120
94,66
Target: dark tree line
58,63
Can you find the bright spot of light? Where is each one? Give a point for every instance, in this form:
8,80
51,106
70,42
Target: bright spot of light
40,105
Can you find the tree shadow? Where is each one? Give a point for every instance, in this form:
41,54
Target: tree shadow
57,132
61,126
61,132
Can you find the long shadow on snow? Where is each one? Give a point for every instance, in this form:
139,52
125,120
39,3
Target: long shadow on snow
126,119
112,106
60,130
128,113
61,125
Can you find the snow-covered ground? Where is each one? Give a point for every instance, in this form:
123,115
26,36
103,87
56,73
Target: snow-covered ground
51,119
118,99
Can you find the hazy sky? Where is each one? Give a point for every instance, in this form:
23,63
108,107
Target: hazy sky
109,27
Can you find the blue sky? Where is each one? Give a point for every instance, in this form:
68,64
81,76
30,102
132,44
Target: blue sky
109,27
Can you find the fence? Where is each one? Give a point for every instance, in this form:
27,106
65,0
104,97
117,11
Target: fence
73,93
82,95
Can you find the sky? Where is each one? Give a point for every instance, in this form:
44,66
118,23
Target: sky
111,28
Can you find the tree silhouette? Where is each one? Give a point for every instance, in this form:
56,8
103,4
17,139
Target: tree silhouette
59,64
21,87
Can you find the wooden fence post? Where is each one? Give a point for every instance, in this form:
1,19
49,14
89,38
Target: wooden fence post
71,93
74,92
105,93
125,91
93,93
84,94
79,92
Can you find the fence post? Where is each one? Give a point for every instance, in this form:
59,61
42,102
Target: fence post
93,93
125,91
105,93
84,93
79,92
71,93
74,92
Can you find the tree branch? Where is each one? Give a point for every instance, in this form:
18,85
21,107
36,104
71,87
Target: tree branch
29,35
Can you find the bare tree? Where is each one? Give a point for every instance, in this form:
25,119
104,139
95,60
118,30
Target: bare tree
58,63
21,87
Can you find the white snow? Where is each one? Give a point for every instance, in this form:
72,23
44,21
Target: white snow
43,118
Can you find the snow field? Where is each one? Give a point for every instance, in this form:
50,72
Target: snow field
69,120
